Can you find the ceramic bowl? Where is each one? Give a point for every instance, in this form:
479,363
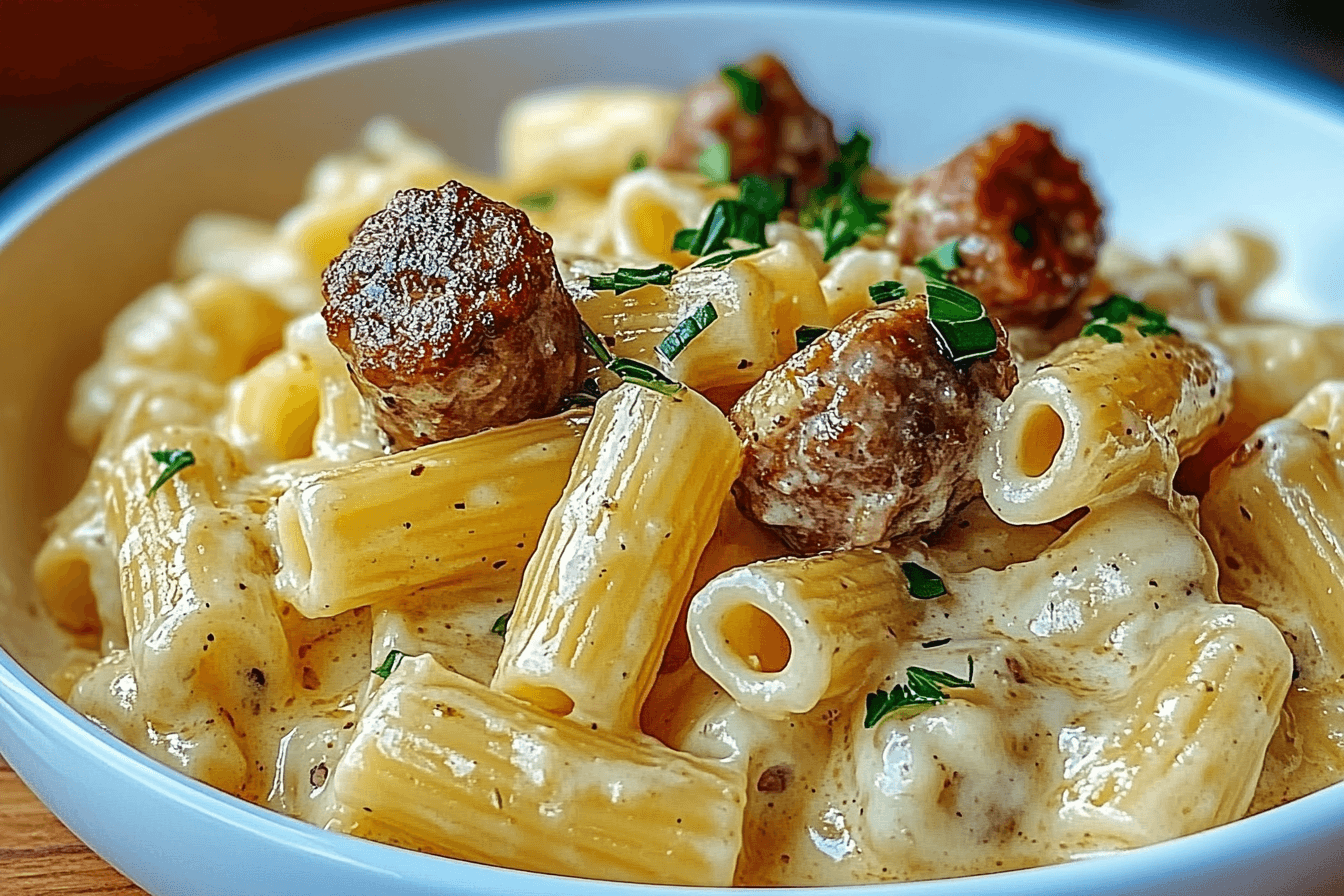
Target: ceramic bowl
1178,135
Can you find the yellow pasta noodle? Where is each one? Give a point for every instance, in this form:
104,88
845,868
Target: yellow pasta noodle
527,790
601,593
1099,419
782,635
446,513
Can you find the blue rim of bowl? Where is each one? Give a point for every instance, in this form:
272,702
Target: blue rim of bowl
323,50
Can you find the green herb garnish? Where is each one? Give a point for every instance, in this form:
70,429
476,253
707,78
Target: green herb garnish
628,369
937,642
941,261
805,336
716,162
925,690
1120,309
501,626
639,161
586,397
747,89
765,198
887,291
743,219
537,202
1022,233
390,662
839,209
963,328
175,460
923,584
724,256
675,342
1104,331
625,279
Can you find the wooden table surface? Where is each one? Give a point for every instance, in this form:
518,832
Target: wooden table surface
40,857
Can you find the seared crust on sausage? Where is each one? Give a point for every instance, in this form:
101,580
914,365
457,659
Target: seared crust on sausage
787,138
866,434
452,316
1029,223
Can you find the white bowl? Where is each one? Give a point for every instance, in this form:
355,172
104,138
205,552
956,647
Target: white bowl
1179,136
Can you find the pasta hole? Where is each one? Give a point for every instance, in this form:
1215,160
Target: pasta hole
756,639
1042,436
552,700
656,224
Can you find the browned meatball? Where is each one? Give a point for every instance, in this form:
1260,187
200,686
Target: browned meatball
452,316
1029,223
868,433
786,137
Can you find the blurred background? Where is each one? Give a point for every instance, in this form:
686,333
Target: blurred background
65,64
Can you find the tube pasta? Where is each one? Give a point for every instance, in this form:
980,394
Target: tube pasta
186,339
782,635
671,818
1097,420
449,513
247,250
1282,495
852,272
345,188
601,593
754,330
586,136
646,208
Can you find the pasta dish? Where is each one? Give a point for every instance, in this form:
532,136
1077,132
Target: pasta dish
695,502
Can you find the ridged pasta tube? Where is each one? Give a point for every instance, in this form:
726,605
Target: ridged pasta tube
782,635
1098,420
753,331
601,593
194,578
646,208
1273,516
445,513
584,136
442,764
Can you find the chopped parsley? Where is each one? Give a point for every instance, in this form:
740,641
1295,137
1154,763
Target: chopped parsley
839,209
625,279
1121,309
887,291
586,397
676,341
941,261
960,323
716,162
965,332
724,256
639,161
747,89
805,336
501,626
743,219
923,584
628,369
924,690
537,202
1022,233
175,460
390,662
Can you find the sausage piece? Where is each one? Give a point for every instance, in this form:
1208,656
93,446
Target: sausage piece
1029,223
786,138
868,433
452,316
